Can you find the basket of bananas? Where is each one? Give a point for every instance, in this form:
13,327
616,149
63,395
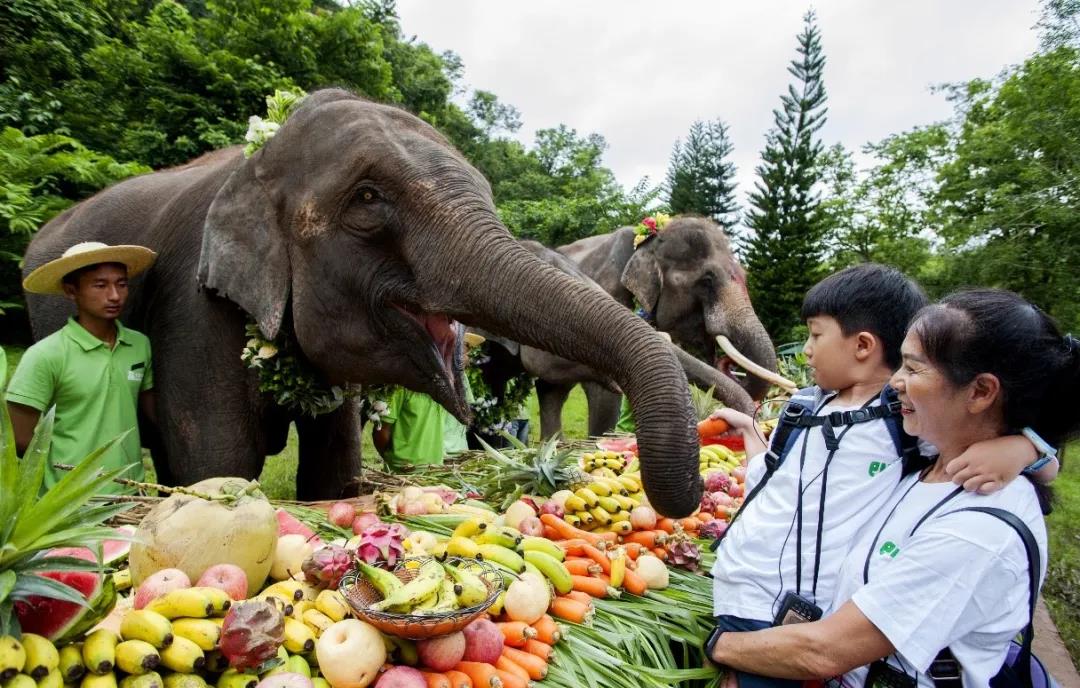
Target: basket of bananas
422,597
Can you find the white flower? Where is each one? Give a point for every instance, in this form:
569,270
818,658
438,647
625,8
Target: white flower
267,351
252,344
380,407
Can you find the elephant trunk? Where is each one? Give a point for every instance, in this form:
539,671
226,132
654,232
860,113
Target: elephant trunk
504,288
724,388
741,326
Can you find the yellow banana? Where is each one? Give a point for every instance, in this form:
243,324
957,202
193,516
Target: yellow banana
470,588
587,519
497,607
232,678
601,515
504,537
317,621
288,590
553,570
122,579
20,681
298,637
620,515
618,568
192,602
573,520
624,502
470,527
184,681
184,656
598,487
590,498
609,504
503,555
106,680
136,657
575,503
143,624
319,682
203,632
333,604
427,581
72,667
540,544
99,651
300,607
53,679
12,657
631,482
621,527
463,547
41,656
216,662
150,679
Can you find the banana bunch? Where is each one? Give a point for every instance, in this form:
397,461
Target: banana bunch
717,457
435,589
198,602
607,464
605,503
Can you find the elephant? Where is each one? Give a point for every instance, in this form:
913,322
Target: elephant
556,376
360,233
690,285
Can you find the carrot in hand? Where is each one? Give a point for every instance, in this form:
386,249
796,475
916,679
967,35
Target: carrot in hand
536,667
711,427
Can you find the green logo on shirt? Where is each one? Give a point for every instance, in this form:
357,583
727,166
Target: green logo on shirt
876,467
890,549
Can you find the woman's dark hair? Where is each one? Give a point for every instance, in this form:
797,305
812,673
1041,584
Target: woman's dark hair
998,332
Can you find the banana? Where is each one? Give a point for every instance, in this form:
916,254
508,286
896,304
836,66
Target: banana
289,590
470,527
601,515
625,503
317,621
185,657
298,665
598,487
575,503
216,662
150,679
464,547
184,681
573,519
143,624
137,657
122,579
298,637
426,582
53,679
497,607
621,527
12,657
72,667
587,519
20,681
300,607
333,604
503,555
446,598
588,496
407,653
553,570
235,679
501,535
203,632
381,579
192,602
473,590
620,515
631,482
618,568
41,656
609,504
99,651
106,680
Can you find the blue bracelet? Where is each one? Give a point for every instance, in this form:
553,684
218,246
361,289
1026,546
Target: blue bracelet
1046,452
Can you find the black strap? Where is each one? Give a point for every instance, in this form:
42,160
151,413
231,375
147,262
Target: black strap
873,545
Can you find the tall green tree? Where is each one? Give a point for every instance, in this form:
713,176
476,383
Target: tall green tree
785,247
700,176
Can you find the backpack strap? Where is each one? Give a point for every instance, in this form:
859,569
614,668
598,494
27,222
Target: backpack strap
907,447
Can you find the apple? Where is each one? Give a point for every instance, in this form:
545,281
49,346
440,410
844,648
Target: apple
350,653
228,577
363,521
442,652
160,583
342,514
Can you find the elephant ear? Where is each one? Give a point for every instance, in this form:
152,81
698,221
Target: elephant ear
643,278
244,257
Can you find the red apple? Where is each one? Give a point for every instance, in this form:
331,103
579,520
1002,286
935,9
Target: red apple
156,585
342,514
228,577
363,521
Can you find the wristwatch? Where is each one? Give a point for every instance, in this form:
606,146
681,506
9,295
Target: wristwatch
1046,452
710,642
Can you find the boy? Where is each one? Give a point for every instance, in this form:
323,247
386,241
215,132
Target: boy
781,556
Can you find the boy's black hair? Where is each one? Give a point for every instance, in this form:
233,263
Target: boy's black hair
868,298
72,277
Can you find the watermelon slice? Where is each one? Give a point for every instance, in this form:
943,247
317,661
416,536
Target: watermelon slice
59,620
290,525
114,550
618,444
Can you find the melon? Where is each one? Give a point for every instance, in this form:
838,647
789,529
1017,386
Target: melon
113,551
59,620
290,525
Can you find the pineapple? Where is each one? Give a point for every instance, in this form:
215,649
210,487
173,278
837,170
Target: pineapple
32,522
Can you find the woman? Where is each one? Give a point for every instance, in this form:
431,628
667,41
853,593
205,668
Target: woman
978,365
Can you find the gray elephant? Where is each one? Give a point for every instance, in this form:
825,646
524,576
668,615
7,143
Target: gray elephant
690,285
361,233
556,376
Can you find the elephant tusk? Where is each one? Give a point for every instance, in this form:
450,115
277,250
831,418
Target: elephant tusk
751,367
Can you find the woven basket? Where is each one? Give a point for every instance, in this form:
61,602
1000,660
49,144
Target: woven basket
360,595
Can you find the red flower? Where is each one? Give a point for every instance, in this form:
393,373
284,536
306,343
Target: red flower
650,223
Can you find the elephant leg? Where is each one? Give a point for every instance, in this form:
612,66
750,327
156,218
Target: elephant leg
152,440
551,398
329,454
603,408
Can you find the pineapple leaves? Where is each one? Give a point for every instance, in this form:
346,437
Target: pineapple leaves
28,586
32,466
9,469
55,564
7,582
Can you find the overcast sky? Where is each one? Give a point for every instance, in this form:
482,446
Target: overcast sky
640,72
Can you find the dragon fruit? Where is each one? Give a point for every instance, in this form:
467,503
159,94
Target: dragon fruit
251,633
717,481
325,567
382,543
713,529
681,550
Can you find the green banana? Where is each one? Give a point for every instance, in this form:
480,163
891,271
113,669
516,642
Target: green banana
106,680
426,582
503,555
502,536
382,580
20,681
298,665
232,678
407,653
473,590
553,570
538,544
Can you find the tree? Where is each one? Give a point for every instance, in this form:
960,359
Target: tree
786,245
700,176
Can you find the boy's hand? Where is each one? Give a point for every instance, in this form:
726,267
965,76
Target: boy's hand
737,420
988,466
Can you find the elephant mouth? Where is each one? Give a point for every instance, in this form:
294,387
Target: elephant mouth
441,330
729,367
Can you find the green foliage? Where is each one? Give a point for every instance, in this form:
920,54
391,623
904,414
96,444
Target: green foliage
786,245
700,176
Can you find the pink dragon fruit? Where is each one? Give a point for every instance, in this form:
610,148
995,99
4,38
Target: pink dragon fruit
713,529
251,633
325,567
382,542
717,481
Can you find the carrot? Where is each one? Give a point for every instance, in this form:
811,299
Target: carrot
539,648
481,674
515,633
666,524
660,553
581,566
536,667
582,597
572,547
645,538
633,583
511,667
510,680
547,631
711,427
570,610
550,533
436,680
597,587
705,516
597,556
633,550
459,679
567,531
690,524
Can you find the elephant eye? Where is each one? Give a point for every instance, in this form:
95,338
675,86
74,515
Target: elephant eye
367,194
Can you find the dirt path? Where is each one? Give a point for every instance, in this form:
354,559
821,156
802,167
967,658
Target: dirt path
1051,650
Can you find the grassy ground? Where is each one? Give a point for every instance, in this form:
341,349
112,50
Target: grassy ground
1062,588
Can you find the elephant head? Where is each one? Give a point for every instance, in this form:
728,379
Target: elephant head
373,235
689,280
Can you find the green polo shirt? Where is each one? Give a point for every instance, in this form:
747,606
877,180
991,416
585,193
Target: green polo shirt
416,433
455,437
626,417
95,391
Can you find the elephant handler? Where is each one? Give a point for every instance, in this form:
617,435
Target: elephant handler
94,370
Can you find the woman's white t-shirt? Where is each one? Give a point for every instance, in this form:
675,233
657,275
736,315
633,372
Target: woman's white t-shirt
961,581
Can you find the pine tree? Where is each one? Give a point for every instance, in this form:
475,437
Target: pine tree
699,178
786,243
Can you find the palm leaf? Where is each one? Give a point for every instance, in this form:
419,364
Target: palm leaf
33,461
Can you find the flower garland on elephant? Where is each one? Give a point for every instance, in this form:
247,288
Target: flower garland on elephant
491,414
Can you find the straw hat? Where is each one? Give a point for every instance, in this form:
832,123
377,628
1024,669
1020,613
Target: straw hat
48,278
472,339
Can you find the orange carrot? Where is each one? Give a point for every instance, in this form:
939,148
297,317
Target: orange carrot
459,679
660,553
597,556
567,531
550,533
481,674
705,516
515,633
711,427
570,610
582,597
582,567
547,631
572,547
690,524
645,538
436,680
510,680
633,550
539,648
536,667
597,587
633,583
666,524
510,666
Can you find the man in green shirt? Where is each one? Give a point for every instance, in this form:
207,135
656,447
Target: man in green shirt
94,370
